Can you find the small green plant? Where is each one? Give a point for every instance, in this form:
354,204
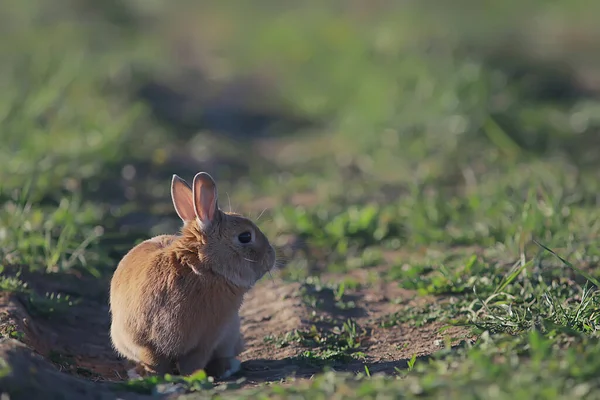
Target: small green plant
65,361
12,283
336,344
198,381
411,362
50,304
11,331
419,316
316,294
45,306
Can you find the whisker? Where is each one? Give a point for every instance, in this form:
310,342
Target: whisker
273,280
249,260
260,215
229,200
280,263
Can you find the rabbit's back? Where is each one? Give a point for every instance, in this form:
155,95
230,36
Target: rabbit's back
137,270
136,290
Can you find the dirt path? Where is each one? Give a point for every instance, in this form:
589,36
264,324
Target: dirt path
69,348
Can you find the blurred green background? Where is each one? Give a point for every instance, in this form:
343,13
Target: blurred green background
356,125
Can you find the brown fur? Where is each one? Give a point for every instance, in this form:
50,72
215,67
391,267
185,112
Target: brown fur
175,299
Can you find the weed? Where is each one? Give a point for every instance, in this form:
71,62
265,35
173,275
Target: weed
419,316
341,343
44,306
198,381
12,283
51,304
411,362
321,296
65,361
9,329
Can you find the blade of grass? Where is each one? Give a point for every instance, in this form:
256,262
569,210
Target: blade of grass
568,264
508,279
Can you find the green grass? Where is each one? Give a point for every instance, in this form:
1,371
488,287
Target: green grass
441,160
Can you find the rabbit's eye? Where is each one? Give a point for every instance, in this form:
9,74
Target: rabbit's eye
245,237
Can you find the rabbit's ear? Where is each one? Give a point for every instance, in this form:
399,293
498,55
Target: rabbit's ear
183,199
205,198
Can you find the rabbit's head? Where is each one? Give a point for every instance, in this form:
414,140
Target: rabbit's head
228,243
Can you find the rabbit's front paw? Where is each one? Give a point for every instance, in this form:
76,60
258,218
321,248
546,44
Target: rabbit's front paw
234,366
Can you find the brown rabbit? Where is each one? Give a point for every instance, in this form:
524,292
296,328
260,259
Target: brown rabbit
174,300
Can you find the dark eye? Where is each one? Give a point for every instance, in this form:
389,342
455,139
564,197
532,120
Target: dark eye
245,237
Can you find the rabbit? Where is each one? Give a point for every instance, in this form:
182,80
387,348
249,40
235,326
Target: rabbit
175,299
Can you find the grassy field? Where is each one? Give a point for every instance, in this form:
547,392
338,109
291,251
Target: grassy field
428,173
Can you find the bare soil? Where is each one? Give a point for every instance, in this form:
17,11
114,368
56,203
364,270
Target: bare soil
67,353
